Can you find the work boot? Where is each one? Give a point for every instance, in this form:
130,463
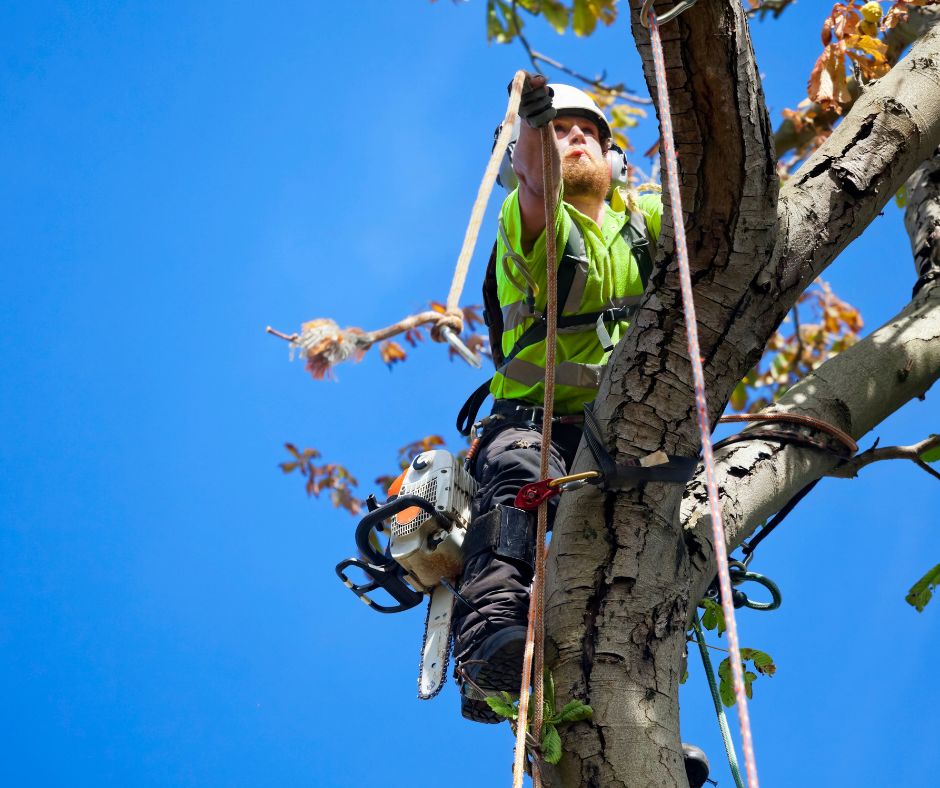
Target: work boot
491,611
696,765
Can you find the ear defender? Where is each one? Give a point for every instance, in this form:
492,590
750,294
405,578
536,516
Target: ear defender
618,166
507,175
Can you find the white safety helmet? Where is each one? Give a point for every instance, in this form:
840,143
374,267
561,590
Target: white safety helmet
569,100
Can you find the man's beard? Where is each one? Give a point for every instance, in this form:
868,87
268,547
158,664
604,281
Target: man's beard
585,177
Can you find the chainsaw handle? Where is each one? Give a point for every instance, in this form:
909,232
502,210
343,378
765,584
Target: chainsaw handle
376,516
385,577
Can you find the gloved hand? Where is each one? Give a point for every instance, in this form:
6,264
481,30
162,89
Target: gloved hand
535,106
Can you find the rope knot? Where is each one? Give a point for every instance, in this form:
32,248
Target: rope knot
452,319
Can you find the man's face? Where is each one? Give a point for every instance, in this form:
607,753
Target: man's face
584,166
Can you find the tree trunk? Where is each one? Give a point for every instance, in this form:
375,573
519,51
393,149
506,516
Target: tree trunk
622,577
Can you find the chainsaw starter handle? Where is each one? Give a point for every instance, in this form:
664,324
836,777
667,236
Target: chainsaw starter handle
388,577
376,516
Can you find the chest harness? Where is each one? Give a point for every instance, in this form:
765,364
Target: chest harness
633,233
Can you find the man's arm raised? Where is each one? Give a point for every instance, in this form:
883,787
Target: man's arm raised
536,111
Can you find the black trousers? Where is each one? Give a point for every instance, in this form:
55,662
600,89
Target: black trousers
498,587
509,458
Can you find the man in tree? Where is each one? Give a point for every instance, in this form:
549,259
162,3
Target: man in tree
602,274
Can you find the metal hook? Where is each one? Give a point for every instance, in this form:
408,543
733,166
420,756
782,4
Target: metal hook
672,13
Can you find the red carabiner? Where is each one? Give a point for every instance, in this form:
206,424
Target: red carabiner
531,495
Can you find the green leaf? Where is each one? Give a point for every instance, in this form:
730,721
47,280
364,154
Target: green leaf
714,617
551,743
504,708
548,695
763,662
726,685
748,680
555,14
922,591
931,455
584,18
575,711
495,29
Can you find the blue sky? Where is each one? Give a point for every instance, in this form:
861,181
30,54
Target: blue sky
177,176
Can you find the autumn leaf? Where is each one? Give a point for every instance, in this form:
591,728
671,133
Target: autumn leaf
472,316
413,336
391,353
827,84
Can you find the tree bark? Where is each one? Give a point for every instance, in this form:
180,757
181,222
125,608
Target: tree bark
622,578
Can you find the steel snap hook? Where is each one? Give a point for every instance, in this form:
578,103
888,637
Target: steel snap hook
672,13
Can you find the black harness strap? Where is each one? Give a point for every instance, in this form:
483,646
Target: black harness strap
467,416
678,470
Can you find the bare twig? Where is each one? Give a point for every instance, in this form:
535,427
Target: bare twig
850,468
774,7
288,337
799,337
618,90
709,645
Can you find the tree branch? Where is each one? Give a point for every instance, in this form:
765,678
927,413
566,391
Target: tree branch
893,128
617,590
922,220
849,468
855,391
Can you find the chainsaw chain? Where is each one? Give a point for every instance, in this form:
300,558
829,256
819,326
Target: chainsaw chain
446,665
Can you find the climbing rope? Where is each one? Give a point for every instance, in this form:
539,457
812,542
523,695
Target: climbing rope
739,575
716,699
695,356
324,344
533,660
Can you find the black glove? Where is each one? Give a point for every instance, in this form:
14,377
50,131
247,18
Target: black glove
535,105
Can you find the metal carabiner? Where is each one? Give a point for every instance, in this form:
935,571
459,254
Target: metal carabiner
672,13
740,574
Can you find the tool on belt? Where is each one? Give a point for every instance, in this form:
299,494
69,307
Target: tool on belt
425,522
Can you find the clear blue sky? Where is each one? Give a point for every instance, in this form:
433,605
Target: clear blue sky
176,176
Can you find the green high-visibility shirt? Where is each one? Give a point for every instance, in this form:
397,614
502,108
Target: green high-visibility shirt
607,277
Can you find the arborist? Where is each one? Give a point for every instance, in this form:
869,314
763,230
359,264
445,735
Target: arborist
608,242
607,258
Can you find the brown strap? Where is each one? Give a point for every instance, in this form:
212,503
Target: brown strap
790,418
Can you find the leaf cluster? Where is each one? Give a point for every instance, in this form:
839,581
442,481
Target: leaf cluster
331,477
507,706
792,354
763,663
504,23
857,49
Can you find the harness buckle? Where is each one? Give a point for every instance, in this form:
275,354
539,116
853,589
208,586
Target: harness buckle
481,424
533,411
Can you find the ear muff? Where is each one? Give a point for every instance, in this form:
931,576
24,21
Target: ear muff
618,166
507,175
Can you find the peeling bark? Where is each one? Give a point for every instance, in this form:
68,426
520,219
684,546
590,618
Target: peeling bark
623,576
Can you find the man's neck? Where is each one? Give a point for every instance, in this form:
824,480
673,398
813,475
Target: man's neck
593,207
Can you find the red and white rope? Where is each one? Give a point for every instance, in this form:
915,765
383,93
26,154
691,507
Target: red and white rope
718,534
